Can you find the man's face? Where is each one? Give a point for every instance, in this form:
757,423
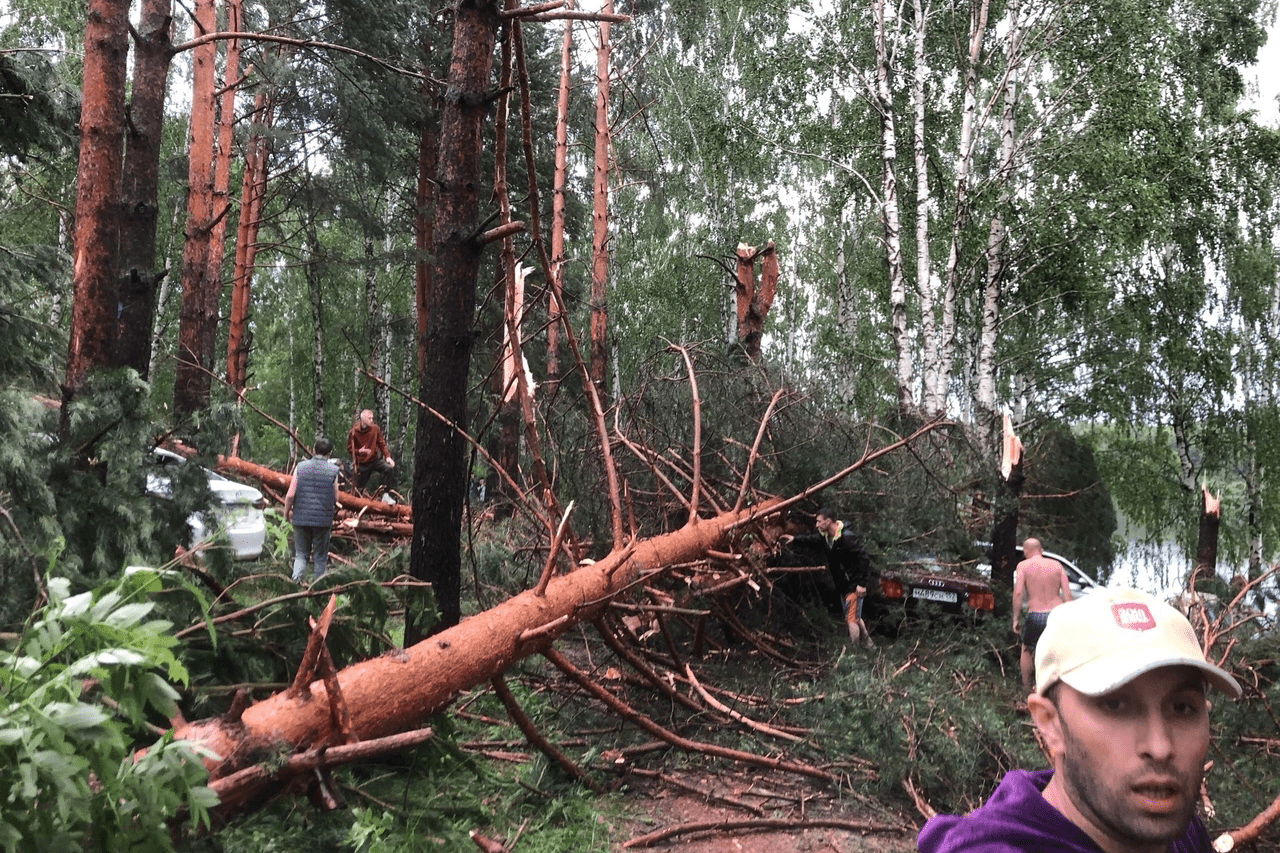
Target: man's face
366,419
824,525
1130,762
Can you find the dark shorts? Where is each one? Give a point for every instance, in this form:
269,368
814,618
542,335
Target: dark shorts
1033,628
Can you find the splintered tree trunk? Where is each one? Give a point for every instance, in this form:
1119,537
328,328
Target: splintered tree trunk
508,449
556,285
139,211
754,302
1207,544
440,461
600,214
394,693
198,311
996,237
98,182
1005,511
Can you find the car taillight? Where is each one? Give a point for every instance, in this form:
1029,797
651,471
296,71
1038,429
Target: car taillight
982,601
891,588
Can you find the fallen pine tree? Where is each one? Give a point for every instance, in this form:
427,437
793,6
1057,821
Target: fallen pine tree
377,699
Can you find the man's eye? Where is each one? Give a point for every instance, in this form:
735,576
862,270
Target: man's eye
1115,704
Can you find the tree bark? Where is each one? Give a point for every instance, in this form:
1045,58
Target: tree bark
935,396
1207,542
424,214
440,477
1006,508
556,284
754,302
252,190
600,214
315,297
883,100
997,237
394,692
139,212
927,283
98,183
198,310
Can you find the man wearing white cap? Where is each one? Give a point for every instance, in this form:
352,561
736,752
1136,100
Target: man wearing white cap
1120,700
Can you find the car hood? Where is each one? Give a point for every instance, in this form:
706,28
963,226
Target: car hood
939,577
230,492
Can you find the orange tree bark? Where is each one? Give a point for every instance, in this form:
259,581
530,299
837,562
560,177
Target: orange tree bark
98,183
440,476
138,276
198,311
396,692
252,189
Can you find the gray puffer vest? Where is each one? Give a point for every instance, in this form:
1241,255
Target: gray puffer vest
313,499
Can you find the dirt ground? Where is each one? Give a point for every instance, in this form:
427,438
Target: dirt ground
753,812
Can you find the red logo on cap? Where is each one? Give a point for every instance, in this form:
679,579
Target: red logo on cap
1133,615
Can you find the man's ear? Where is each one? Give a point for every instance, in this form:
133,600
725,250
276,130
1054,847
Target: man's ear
1045,716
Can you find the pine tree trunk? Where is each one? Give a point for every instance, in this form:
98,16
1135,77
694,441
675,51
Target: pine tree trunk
424,216
598,361
198,311
427,676
316,299
440,461
98,184
139,212
252,190
374,324
556,285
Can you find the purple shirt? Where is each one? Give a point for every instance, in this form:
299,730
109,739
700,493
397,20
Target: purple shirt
1018,819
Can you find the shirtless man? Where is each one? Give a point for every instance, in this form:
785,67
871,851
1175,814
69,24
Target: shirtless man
1044,583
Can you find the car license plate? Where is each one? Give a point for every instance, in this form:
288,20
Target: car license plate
934,595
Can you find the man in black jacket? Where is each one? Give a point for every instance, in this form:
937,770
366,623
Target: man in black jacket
849,565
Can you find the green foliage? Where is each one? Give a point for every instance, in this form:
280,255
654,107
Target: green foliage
67,744
435,793
38,111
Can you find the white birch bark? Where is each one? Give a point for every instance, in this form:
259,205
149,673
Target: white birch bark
996,236
935,396
927,283
904,371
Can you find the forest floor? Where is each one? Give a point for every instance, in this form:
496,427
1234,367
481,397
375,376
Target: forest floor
748,812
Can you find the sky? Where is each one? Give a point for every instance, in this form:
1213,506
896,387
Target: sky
1265,78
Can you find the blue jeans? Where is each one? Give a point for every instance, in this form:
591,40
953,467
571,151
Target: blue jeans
310,544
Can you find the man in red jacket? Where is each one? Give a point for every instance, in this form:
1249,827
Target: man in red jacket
368,451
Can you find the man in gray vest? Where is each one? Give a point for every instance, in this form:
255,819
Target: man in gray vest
309,504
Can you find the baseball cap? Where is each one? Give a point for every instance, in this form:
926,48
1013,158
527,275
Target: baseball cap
1107,638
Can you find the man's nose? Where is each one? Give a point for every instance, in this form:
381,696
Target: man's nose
1157,736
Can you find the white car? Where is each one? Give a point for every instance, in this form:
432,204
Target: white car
1080,583
237,514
